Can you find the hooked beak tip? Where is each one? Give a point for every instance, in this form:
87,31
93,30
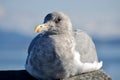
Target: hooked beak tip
37,28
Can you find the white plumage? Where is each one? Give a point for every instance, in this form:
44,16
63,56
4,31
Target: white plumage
59,52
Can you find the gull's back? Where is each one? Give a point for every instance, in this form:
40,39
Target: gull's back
85,46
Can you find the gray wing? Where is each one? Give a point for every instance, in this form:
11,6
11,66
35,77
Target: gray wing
33,42
85,46
42,57
41,48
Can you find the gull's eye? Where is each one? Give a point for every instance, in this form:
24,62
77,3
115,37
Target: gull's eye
57,20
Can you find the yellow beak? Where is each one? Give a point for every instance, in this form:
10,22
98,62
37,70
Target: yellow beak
39,28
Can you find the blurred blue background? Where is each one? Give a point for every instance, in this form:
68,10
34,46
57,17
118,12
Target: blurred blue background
100,18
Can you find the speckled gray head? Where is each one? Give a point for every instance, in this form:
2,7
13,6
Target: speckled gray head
62,54
55,22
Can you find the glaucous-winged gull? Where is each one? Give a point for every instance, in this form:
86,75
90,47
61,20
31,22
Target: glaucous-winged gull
58,51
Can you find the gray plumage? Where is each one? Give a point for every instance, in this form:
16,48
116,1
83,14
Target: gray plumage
60,52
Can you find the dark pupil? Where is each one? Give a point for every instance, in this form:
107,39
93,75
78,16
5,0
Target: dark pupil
57,20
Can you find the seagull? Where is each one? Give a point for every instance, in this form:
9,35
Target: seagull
58,51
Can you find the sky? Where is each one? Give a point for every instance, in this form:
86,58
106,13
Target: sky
97,17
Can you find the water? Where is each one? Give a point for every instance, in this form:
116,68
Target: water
14,58
110,54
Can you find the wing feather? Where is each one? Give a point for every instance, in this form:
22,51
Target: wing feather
85,46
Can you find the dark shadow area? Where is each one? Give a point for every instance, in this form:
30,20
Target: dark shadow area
23,75
15,75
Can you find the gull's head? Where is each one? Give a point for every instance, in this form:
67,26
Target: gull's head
55,22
